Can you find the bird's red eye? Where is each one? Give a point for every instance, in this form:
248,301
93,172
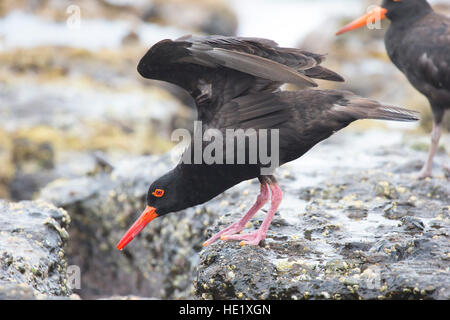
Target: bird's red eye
158,193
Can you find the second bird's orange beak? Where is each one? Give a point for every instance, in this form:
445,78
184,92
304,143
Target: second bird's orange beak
373,16
148,215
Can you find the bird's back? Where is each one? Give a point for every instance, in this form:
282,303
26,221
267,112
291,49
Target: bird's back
315,115
421,50
299,119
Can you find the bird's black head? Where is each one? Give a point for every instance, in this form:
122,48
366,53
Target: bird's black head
168,194
405,9
165,195
174,191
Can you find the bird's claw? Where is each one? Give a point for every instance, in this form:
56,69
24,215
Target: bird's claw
252,238
222,234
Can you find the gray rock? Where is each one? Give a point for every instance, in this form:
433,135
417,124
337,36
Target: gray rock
32,239
349,229
204,16
16,291
160,263
326,251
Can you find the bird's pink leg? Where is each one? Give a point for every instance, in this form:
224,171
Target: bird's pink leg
435,136
239,226
255,237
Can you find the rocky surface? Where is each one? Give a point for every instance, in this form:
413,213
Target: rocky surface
32,257
354,223
361,235
209,17
201,16
159,264
348,228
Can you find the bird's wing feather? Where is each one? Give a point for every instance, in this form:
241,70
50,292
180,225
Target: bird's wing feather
264,53
303,117
304,109
216,69
251,64
294,58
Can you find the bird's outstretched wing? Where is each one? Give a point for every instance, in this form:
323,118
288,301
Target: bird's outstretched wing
216,69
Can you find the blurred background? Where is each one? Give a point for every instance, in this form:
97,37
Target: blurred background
72,103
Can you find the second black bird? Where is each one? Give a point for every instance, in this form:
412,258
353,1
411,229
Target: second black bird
418,43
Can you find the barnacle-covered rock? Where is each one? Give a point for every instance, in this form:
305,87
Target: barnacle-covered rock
159,263
355,234
32,257
392,251
335,236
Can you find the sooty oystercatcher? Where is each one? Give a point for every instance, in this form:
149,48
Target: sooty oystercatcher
418,43
236,85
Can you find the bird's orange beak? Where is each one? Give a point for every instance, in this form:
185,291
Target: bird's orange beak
373,16
148,215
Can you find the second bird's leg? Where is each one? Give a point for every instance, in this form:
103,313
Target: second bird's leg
239,226
255,237
435,136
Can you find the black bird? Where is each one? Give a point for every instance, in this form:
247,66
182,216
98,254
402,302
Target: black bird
418,43
236,85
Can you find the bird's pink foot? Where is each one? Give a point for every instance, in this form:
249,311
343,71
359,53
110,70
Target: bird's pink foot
252,238
240,225
423,174
234,228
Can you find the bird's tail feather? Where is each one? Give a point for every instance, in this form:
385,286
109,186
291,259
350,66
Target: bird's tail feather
361,108
393,113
